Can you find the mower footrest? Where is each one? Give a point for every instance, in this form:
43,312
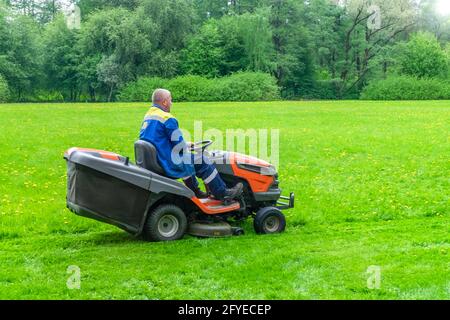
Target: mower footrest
212,206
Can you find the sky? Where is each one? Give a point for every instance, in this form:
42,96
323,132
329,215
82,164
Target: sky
443,7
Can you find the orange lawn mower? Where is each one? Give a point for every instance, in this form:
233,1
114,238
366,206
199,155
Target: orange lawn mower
140,199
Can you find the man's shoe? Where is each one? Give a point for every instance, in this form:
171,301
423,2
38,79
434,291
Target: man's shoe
233,193
201,195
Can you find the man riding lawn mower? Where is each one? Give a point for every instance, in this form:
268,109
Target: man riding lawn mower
146,199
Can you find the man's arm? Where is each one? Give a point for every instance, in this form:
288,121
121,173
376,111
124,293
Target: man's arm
174,133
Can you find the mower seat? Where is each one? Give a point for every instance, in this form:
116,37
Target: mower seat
146,157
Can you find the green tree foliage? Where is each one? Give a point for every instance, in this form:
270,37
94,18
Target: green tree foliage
232,45
42,11
61,59
294,65
325,25
173,21
90,6
257,40
20,58
206,9
447,53
314,49
4,90
109,72
423,57
115,45
205,54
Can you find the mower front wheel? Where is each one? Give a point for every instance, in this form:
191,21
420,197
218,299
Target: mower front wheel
269,220
165,223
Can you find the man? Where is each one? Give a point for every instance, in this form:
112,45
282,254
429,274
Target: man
161,129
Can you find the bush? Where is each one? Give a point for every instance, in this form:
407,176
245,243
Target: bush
141,90
246,86
242,86
423,57
189,88
407,88
4,90
47,96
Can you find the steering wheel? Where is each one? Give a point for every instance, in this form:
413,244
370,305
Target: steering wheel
201,146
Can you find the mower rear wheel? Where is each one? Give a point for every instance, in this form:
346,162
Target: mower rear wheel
269,220
165,223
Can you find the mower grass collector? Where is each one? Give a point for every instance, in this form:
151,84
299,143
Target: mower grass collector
140,199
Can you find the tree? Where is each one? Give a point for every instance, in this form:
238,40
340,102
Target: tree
430,20
210,9
423,57
324,22
256,34
204,53
232,45
110,73
367,30
61,59
447,53
20,53
294,65
173,23
89,6
4,90
207,9
88,76
42,11
313,48
114,38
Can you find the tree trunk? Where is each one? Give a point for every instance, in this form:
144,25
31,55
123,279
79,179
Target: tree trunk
92,94
53,9
111,93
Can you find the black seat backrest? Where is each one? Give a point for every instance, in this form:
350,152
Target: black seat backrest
146,157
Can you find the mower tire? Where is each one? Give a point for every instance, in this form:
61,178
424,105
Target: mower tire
269,220
165,223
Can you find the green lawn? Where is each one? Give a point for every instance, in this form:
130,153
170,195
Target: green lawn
372,181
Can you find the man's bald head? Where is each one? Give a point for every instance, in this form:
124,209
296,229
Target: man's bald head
159,95
162,98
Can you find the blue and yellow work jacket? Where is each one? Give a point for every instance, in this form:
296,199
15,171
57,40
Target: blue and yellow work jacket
161,129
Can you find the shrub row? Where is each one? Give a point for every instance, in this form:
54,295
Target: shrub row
407,88
243,86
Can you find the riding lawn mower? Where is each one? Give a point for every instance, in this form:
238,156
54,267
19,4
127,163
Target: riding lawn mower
140,199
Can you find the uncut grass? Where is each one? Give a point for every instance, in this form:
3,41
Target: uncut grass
380,170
